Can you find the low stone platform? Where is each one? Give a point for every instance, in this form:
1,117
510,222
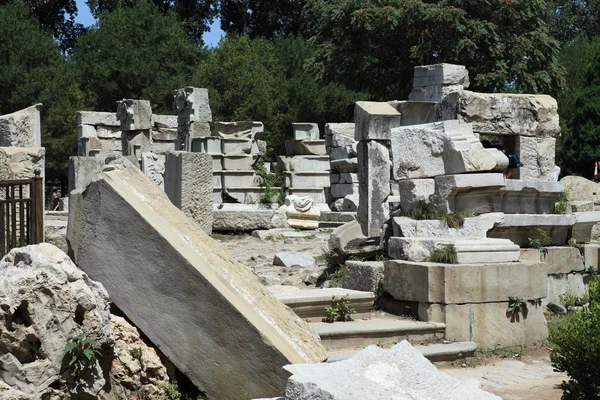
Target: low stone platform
468,250
244,217
382,331
472,227
311,303
521,227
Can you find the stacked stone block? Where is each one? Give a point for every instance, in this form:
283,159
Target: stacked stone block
343,157
306,164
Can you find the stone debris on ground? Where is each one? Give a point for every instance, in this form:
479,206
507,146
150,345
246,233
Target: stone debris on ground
293,259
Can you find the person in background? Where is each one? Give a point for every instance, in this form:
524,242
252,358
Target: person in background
55,200
596,171
513,165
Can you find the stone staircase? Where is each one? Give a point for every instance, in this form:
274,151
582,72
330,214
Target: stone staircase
343,339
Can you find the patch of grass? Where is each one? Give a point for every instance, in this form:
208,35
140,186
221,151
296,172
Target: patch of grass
310,237
445,254
562,205
274,237
339,310
273,183
356,258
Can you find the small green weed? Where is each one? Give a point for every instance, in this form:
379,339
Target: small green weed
339,310
516,305
540,239
445,254
136,352
82,353
562,206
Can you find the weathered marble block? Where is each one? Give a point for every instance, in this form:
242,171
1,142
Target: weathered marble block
472,227
21,128
440,148
246,179
414,193
305,147
134,115
192,105
306,131
416,112
239,161
432,82
374,187
537,156
521,227
374,121
153,166
236,146
528,197
475,192
339,135
584,223
316,179
97,118
304,163
239,129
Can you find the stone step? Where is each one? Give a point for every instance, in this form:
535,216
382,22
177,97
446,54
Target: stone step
384,332
433,352
311,303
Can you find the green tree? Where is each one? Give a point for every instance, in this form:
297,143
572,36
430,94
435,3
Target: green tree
569,19
374,45
138,53
32,70
579,107
265,18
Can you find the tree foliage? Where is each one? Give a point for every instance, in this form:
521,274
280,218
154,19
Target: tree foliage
138,53
374,45
264,18
569,19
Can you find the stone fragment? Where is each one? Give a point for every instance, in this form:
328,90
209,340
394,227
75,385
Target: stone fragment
346,165
134,115
496,114
556,308
374,121
562,260
473,321
305,147
164,121
584,225
305,163
416,194
474,227
580,189
96,118
520,228
528,197
153,167
192,105
338,153
240,129
440,148
374,188
339,135
180,271
306,131
432,82
464,283
32,279
348,203
399,373
537,157
236,146
21,128
243,217
188,184
293,259
363,275
475,192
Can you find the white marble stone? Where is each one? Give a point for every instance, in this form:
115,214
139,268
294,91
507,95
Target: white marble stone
134,115
305,131
374,120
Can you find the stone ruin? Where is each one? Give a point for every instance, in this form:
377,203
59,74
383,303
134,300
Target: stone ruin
424,157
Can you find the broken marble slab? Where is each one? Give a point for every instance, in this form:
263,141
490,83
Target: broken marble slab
293,259
439,148
471,227
399,373
339,135
468,250
305,131
239,129
374,120
134,115
550,229
21,128
584,223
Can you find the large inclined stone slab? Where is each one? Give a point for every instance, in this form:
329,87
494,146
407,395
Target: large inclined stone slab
206,312
340,134
399,373
504,114
21,128
475,192
490,327
584,223
374,120
439,148
464,283
374,187
469,250
189,185
472,227
520,227
528,197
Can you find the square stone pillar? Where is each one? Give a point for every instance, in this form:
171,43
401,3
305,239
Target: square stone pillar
373,124
193,116
189,185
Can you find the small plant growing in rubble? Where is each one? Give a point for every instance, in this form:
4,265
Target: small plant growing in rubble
82,353
339,310
540,239
445,254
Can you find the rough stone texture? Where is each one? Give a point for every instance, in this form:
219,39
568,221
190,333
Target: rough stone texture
537,156
134,115
520,227
504,114
489,325
468,250
339,135
562,260
528,197
475,192
374,121
153,167
21,128
21,162
559,285
188,184
399,373
83,170
293,259
363,275
180,272
416,112
464,283
306,131
580,189
472,227
591,255
415,193
431,82
440,148
47,301
374,188
97,118
243,217
240,129
192,105
55,228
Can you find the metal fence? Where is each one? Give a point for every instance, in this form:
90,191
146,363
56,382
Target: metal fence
21,213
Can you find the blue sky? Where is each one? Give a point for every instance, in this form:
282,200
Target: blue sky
211,38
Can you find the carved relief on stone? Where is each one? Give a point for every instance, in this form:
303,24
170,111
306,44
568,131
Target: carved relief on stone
301,212
153,167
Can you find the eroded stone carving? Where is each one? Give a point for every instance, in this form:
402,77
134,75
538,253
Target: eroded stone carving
153,167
